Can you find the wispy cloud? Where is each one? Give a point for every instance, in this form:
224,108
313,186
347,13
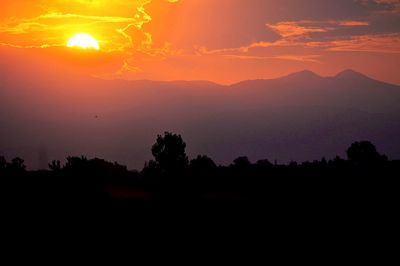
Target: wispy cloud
353,23
293,28
304,34
298,58
30,46
388,43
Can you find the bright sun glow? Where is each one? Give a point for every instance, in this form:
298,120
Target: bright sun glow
83,40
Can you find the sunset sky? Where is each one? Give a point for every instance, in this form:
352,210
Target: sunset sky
225,41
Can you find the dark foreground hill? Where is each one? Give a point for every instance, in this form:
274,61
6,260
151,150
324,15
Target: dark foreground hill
325,204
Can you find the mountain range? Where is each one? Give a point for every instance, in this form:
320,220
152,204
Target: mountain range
300,117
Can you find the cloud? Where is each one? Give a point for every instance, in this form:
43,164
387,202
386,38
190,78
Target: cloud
385,6
57,21
301,58
322,34
27,47
293,28
388,43
310,41
353,23
289,57
307,27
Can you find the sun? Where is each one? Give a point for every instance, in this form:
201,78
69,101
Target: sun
83,40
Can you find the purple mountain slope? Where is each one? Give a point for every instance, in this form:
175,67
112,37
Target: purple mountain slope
300,117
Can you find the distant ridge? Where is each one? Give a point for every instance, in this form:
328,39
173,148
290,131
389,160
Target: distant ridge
300,76
301,116
348,75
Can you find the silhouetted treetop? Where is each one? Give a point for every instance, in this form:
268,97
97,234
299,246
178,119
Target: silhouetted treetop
264,163
202,164
364,152
241,162
16,165
76,164
55,165
84,165
169,153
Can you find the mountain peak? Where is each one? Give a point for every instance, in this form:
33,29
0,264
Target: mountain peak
303,76
350,74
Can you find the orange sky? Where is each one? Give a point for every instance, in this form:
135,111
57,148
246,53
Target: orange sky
224,41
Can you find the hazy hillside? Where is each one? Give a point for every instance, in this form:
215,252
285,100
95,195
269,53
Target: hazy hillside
298,117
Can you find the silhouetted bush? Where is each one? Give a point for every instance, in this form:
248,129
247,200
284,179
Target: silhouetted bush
202,166
17,165
93,167
55,165
151,169
203,163
241,163
76,164
364,152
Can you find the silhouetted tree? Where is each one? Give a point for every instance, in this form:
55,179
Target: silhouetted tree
76,164
264,162
241,163
16,165
94,167
150,169
364,152
169,153
337,162
55,165
202,164
105,168
261,166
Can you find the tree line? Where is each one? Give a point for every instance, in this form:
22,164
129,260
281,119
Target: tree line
172,175
170,158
